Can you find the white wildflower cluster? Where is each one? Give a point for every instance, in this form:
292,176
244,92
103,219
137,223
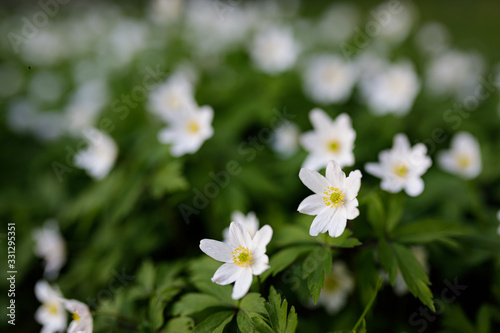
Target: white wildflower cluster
189,125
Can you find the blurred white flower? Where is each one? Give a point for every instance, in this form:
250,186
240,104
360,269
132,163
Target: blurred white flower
286,138
188,130
338,22
45,48
329,79
338,285
394,24
274,50
401,167
432,38
172,98
51,314
21,115
125,40
99,157
165,11
464,157
400,287
250,222
82,319
84,106
334,200
242,257
454,73
50,245
392,90
330,140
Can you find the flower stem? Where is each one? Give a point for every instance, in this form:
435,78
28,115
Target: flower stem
368,306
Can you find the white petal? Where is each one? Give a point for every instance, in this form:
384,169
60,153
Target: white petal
414,186
338,223
238,235
374,169
312,205
334,174
320,222
227,273
313,180
314,161
218,250
320,120
261,239
401,143
242,284
353,183
43,291
310,140
167,135
260,264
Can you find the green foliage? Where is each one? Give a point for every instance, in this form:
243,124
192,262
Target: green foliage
279,319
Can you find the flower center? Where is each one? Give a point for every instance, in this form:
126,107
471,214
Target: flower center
331,283
242,256
401,170
463,162
51,307
193,127
76,317
333,197
334,146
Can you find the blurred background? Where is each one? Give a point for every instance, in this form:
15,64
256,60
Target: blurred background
69,70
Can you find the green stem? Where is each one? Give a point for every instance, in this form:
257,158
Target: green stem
368,306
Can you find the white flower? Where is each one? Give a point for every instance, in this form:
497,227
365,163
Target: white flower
392,90
338,285
330,140
51,314
286,139
242,257
99,157
172,98
401,167
165,11
82,319
334,199
188,131
454,73
400,287
50,245
274,50
432,38
394,24
464,157
250,222
329,79
338,22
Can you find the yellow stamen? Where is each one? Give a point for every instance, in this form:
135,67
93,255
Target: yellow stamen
242,256
76,317
51,307
401,170
334,146
463,162
333,197
193,127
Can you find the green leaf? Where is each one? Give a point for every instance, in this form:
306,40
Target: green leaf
214,323
395,210
376,215
413,274
245,323
456,320
293,235
388,260
343,241
428,230
315,266
194,302
179,325
483,319
146,275
285,258
168,179
280,320
253,303
157,305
